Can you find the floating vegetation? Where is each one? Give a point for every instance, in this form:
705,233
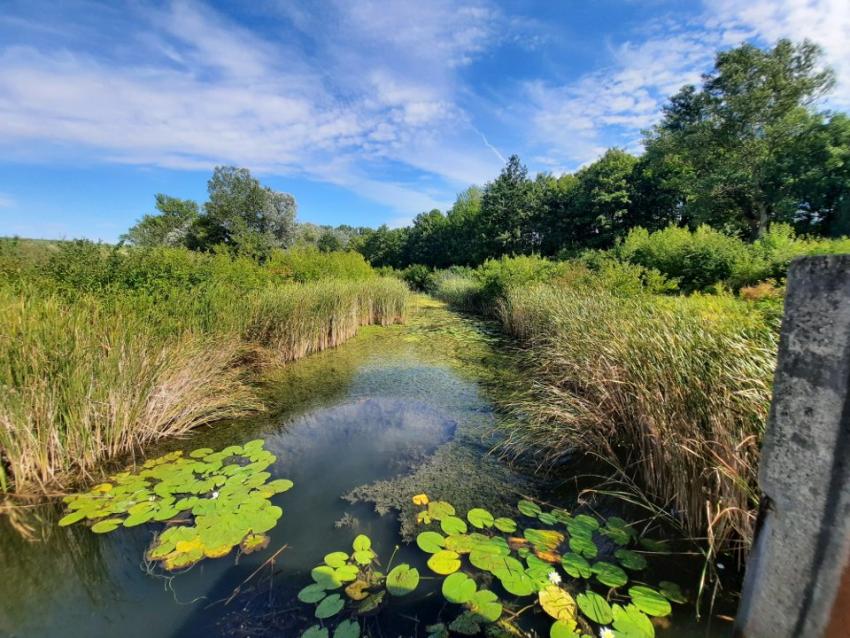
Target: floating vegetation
213,502
364,588
558,565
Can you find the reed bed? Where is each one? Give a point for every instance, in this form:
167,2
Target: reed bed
672,391
96,377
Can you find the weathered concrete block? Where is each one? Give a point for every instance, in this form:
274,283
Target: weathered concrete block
803,545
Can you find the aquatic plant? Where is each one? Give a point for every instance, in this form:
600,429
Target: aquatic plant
213,502
364,587
558,564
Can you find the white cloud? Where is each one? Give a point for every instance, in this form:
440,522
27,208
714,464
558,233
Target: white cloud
6,201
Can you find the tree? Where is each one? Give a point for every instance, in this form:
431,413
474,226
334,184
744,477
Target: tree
601,200
464,236
168,228
384,246
426,241
241,210
507,211
731,132
328,242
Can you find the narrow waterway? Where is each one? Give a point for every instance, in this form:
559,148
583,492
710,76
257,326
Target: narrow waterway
396,411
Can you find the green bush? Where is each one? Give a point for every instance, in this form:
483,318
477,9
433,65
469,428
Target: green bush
309,264
497,276
419,277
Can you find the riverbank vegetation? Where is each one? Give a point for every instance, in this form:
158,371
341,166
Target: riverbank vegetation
106,349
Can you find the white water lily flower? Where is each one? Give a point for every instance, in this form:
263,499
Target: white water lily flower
554,578
215,494
605,632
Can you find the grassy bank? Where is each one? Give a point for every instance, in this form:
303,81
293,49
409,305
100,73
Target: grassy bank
671,390
93,369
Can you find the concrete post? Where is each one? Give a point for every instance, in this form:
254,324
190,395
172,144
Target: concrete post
798,575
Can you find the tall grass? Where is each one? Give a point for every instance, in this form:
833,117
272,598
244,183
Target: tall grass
89,376
673,391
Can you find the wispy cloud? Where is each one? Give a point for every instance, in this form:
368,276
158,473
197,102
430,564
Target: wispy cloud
6,201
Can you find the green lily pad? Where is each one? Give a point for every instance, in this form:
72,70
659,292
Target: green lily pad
330,606
430,542
315,632
631,559
347,629
336,559
106,525
631,622
361,543
480,518
595,607
458,588
528,508
326,577
576,565
563,629
609,574
672,592
583,545
438,510
444,562
650,601
506,525
71,518
546,518
312,594
515,582
485,604
402,580
467,624
453,525
346,573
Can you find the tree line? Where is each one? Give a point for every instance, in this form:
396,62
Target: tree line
746,148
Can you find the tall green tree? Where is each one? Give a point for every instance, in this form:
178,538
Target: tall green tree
170,227
507,211
731,132
426,240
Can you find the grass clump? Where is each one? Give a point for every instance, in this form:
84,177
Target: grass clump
113,349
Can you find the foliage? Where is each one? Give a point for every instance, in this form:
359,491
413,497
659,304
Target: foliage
418,277
169,228
309,264
226,494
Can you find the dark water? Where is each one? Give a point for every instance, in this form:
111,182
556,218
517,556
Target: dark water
395,412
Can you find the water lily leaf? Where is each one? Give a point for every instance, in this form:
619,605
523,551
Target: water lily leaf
315,632
595,607
583,545
576,565
618,535
336,559
546,518
517,583
371,604
453,525
586,521
357,590
485,605
458,588
494,563
437,631
330,606
252,446
361,543
200,452
312,594
364,557
430,542
444,562
326,577
672,592
630,559
631,622
557,603
438,510
650,601
73,517
546,540
653,545
107,525
250,544
402,580
138,519
609,574
480,518
467,624
347,629
528,508
346,573
420,499
506,525
278,486
563,629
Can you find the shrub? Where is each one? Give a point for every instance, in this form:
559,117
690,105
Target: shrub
418,277
309,264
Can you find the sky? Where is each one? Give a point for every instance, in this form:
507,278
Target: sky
368,112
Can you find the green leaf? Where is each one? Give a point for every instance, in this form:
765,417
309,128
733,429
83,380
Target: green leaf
595,607
609,574
330,606
315,632
583,545
650,601
458,588
444,562
402,580
516,582
361,543
430,542
480,518
106,525
336,559
672,592
529,508
506,525
347,629
364,557
312,594
576,565
73,517
326,577
485,604
453,525
563,629
467,624
438,510
546,518
346,573
630,622
630,559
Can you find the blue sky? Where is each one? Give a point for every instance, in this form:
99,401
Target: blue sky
367,111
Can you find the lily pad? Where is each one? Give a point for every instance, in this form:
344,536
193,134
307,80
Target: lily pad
529,508
503,524
609,574
485,604
558,603
330,606
576,565
402,580
326,577
453,525
650,601
631,559
458,588
563,629
361,543
480,518
595,607
336,559
631,622
315,632
672,592
347,629
312,594
444,562
430,542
